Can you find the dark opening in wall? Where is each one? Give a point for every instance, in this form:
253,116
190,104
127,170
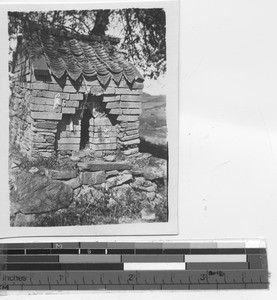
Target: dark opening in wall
85,129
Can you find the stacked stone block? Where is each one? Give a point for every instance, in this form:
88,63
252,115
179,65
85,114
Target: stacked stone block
40,128
46,116
20,120
125,103
102,135
129,137
69,133
43,137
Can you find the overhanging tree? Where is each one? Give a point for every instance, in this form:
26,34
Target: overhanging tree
142,31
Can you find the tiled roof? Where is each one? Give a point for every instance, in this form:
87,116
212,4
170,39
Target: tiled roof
79,55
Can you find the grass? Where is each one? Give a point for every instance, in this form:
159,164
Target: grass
40,162
85,212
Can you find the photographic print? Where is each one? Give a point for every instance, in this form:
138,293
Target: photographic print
88,122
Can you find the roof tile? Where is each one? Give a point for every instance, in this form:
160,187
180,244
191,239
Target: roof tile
75,56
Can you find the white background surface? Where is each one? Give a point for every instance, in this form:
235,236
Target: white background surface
228,133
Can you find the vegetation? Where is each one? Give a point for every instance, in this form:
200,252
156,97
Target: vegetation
87,211
118,205
153,126
142,31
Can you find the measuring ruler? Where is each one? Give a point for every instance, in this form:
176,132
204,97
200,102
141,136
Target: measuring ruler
132,266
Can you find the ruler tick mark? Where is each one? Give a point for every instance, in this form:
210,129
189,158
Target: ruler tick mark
26,276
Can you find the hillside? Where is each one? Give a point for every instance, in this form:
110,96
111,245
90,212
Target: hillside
153,127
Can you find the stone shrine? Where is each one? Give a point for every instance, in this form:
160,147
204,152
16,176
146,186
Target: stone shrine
72,92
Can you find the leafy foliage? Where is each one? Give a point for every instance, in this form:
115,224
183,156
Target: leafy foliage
142,31
144,38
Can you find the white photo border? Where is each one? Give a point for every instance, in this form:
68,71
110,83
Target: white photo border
172,39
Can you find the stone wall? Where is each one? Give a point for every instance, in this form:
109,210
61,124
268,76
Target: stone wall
39,194
47,119
19,105
103,135
40,128
69,133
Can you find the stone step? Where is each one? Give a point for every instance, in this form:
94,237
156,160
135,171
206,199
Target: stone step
104,166
61,174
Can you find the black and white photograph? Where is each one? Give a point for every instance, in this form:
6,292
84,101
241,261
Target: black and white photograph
88,119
